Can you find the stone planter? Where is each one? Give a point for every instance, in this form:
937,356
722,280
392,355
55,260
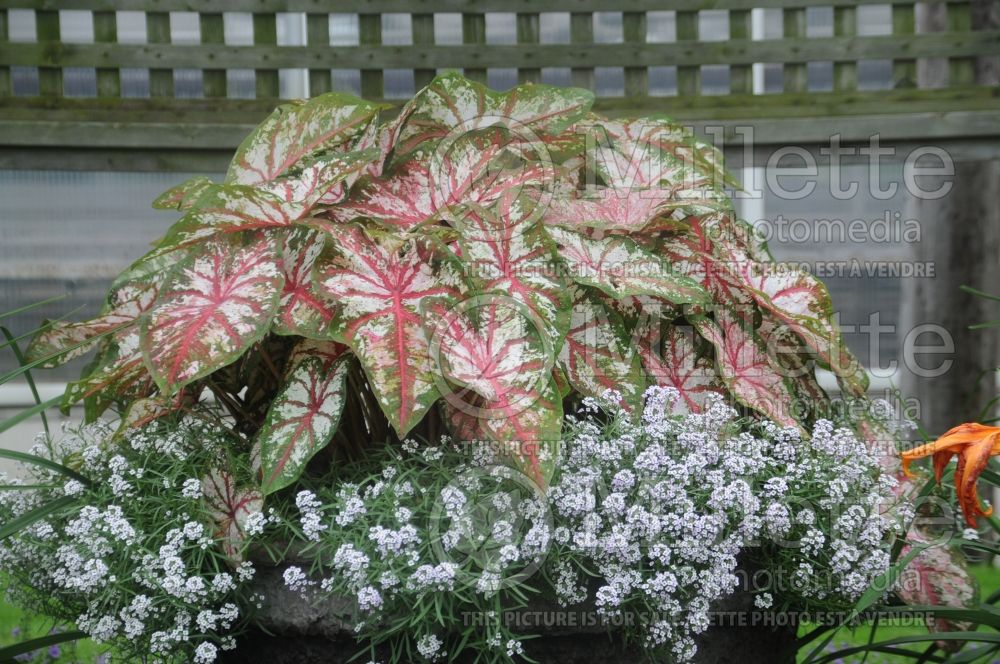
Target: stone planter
294,631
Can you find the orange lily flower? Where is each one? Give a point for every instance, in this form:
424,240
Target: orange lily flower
974,444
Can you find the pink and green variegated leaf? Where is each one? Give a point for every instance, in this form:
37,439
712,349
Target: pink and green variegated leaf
452,102
756,379
303,310
507,252
143,411
653,152
276,204
118,371
302,419
671,360
801,302
490,346
229,507
71,340
597,355
184,195
692,253
297,132
794,356
384,138
937,576
214,306
320,180
477,168
378,283
609,208
464,422
621,268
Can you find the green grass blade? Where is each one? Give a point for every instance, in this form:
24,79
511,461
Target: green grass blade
45,463
27,376
10,422
29,307
979,293
10,652
972,637
875,590
37,514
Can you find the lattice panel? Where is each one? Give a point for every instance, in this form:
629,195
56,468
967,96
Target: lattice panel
530,52
160,76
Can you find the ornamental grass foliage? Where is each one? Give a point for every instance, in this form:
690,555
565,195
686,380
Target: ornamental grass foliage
574,293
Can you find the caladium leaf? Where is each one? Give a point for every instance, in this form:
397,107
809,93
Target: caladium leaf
621,268
118,371
296,132
302,418
229,507
378,283
71,340
597,355
214,306
489,346
671,360
801,302
751,375
507,251
938,577
655,153
277,204
303,310
475,169
610,208
464,423
692,253
143,411
452,102
184,195
798,366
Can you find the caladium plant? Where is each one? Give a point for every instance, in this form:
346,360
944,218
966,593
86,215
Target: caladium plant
468,264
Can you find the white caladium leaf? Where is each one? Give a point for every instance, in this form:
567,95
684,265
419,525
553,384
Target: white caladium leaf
320,180
215,305
621,268
490,346
297,132
610,208
692,252
597,355
507,252
801,302
653,152
477,168
62,341
304,310
302,418
452,102
184,195
750,374
71,340
117,372
384,139
229,507
276,204
143,411
378,283
671,360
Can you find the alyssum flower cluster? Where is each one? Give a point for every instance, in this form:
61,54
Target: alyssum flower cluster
653,517
133,559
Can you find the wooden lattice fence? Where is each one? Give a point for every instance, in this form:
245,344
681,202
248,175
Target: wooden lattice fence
163,131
